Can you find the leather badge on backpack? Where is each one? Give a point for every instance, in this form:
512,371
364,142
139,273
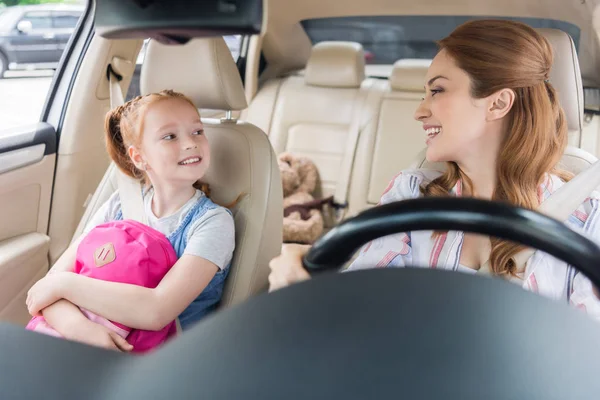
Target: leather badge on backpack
104,254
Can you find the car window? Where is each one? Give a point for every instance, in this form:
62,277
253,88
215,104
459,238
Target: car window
27,68
38,19
387,39
65,19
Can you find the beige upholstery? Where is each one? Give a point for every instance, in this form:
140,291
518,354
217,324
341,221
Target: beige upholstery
180,67
399,137
565,76
24,260
25,195
316,120
336,64
408,75
576,160
242,162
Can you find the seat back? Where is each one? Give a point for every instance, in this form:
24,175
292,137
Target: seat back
242,159
398,138
312,114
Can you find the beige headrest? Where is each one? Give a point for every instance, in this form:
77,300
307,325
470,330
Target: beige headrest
203,69
408,75
336,64
565,76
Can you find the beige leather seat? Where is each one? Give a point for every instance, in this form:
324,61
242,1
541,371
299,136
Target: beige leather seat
399,137
242,159
313,115
565,75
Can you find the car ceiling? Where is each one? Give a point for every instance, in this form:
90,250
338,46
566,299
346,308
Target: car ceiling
287,46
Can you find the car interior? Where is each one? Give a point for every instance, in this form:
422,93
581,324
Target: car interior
288,92
321,100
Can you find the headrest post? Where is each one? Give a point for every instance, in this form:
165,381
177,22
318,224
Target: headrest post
229,119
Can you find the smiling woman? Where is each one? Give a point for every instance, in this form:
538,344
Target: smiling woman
492,115
516,128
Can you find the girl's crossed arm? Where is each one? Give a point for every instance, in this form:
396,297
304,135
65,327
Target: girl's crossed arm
131,305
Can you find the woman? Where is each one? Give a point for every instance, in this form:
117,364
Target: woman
492,115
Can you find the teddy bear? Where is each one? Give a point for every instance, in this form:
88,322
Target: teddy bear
303,219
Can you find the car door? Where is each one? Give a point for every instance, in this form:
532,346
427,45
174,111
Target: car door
34,39
28,166
64,23
27,159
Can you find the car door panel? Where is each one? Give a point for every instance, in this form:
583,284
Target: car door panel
25,195
23,261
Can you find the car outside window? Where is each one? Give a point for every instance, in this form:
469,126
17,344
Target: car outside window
38,19
65,20
28,59
387,39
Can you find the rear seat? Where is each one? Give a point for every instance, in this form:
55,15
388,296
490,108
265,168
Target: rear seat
313,115
398,138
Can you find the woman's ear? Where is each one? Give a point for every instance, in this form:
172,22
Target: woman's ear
500,104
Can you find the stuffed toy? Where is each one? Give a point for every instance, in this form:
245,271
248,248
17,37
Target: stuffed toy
302,215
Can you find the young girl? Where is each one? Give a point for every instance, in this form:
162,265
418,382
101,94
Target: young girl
159,139
491,113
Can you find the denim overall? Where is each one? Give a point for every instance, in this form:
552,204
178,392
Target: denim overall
211,295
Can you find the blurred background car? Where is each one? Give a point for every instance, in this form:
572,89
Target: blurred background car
34,36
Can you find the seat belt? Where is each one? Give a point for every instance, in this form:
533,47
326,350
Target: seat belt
130,190
560,205
341,191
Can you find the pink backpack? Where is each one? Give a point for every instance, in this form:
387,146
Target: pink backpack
127,252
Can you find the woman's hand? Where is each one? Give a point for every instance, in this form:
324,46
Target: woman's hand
287,267
94,334
46,291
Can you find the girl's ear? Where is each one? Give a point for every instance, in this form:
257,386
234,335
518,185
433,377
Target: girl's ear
136,157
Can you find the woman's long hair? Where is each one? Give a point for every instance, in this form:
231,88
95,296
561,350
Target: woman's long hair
497,55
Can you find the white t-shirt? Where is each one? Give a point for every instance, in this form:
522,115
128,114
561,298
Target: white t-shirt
212,236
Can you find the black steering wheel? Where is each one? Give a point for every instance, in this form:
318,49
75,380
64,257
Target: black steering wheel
459,214
388,333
